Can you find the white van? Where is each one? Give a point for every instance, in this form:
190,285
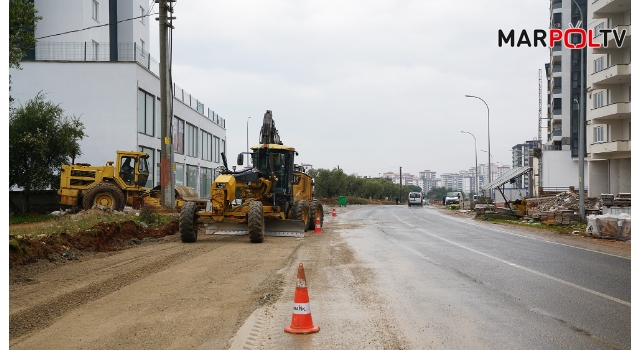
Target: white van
415,198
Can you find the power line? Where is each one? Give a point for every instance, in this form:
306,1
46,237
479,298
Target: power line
98,26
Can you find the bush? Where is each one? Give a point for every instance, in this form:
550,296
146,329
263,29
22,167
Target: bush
151,218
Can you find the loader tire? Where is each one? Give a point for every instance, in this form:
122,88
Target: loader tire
301,212
255,222
103,194
188,226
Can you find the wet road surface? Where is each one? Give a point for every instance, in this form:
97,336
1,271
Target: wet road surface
393,277
457,283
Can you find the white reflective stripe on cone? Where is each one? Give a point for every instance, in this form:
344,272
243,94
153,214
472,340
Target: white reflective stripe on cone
301,308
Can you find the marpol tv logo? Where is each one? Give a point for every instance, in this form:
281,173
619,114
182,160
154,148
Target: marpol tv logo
572,37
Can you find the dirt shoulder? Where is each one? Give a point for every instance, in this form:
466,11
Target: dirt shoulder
163,294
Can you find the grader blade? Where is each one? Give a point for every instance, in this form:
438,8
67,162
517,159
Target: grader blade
273,227
284,228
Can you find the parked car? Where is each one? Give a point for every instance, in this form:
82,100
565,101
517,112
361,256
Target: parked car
415,198
453,198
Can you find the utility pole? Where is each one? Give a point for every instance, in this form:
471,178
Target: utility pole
400,184
581,120
166,103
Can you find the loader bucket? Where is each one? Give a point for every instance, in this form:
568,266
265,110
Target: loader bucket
273,227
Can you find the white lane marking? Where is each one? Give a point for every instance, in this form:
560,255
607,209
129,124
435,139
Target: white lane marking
584,289
528,237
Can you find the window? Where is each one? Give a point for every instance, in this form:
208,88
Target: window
596,29
598,64
192,176
598,99
224,149
179,173
141,15
151,152
557,20
94,50
216,149
206,143
557,105
158,167
598,134
206,179
178,135
95,10
191,138
145,113
557,82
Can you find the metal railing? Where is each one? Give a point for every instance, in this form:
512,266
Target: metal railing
126,52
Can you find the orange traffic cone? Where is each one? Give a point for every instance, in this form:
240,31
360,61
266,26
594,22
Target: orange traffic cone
333,212
318,228
301,322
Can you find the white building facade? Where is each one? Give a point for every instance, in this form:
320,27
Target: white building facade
560,151
106,77
608,102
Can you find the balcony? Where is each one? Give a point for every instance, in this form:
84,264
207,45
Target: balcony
612,111
618,74
602,148
556,135
605,8
611,42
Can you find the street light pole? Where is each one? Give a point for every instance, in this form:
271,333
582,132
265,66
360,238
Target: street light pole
248,141
488,133
581,124
475,147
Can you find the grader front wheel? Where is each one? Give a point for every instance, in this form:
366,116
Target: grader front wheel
255,222
188,226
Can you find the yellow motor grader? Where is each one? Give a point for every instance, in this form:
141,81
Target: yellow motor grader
274,197
114,186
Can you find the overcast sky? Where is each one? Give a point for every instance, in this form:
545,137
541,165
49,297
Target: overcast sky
369,86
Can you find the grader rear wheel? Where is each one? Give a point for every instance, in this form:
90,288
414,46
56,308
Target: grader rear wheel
188,226
255,222
315,210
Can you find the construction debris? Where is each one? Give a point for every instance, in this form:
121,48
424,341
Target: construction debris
563,201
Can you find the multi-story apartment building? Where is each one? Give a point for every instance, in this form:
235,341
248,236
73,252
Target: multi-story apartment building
427,180
608,102
560,151
105,76
522,155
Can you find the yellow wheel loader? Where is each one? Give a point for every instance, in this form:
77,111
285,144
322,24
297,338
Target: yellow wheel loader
274,197
114,186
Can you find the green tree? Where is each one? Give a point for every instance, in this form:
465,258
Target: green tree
414,188
354,184
41,139
437,193
329,183
22,27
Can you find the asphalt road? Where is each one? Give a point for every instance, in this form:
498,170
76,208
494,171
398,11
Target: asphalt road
456,283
